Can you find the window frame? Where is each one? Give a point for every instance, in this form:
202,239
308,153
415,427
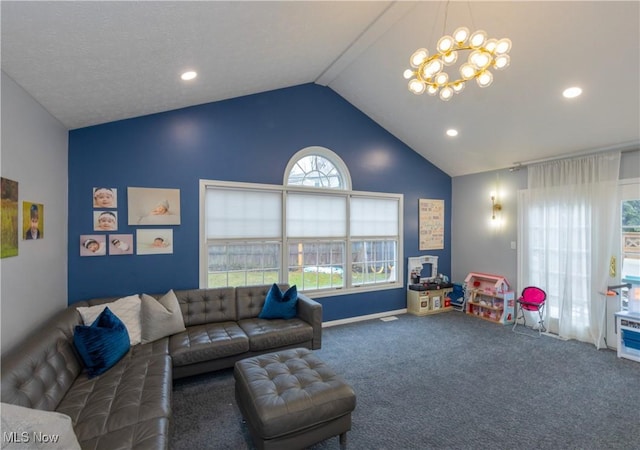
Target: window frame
327,154
285,239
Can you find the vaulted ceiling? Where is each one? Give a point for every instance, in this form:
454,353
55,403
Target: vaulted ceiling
93,62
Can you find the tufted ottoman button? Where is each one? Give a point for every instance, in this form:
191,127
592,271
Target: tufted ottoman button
292,399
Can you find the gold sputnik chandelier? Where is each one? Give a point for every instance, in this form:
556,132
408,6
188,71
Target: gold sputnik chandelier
428,75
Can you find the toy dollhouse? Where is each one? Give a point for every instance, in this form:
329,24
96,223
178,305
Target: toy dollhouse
490,297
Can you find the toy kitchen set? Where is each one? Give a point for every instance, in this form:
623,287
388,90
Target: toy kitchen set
427,294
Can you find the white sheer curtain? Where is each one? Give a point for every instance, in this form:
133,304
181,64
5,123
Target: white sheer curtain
566,223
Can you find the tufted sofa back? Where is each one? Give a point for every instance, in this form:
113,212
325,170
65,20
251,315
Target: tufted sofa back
38,373
200,306
250,299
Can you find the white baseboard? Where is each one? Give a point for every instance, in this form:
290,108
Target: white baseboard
332,323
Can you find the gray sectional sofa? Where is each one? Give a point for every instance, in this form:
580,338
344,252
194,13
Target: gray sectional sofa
129,406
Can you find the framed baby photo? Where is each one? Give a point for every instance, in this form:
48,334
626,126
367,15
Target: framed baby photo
154,241
153,206
105,197
105,220
120,244
93,245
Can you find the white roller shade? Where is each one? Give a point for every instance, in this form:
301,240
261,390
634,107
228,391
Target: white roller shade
374,217
316,215
243,214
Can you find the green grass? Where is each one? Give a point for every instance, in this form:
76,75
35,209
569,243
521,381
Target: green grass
303,280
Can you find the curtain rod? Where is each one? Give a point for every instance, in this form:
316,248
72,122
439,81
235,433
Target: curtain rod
624,147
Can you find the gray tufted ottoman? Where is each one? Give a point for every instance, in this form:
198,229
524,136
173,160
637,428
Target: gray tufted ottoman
292,399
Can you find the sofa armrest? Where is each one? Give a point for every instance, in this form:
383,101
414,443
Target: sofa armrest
38,372
311,312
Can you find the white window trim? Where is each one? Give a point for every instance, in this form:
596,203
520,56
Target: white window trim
325,153
203,253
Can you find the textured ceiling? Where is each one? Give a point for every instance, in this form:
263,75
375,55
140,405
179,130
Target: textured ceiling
94,62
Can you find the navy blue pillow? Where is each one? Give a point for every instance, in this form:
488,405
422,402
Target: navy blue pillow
103,343
280,305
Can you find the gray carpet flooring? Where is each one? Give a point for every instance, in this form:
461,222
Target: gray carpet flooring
447,381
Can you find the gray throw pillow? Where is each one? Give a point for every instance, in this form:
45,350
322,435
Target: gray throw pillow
160,318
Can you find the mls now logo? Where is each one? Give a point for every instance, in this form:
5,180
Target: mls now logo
13,437
24,437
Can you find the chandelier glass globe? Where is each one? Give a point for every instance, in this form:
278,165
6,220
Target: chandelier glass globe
428,72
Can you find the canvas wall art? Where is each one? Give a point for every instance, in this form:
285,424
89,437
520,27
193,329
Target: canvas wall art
105,197
431,216
93,245
32,221
120,244
154,241
153,206
9,217
105,220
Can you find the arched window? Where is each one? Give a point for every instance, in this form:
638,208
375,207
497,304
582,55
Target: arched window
317,167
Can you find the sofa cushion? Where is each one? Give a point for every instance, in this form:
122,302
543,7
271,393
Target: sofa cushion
160,318
269,334
150,434
127,309
101,344
201,306
208,341
127,407
157,347
280,305
27,423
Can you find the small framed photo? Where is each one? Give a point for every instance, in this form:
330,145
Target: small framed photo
93,245
105,221
154,242
33,220
105,197
120,244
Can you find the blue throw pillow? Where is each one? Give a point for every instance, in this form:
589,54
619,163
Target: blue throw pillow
280,305
103,343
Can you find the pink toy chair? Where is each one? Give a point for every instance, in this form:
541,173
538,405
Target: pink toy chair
532,299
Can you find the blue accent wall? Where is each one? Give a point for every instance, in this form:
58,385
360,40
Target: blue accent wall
246,139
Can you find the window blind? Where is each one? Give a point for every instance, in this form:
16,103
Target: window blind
243,213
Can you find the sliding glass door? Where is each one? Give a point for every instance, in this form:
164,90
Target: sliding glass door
630,236
627,266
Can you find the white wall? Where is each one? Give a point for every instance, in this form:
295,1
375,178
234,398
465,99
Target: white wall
630,165
33,153
478,245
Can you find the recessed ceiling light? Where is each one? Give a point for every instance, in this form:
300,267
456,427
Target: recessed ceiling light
572,92
190,75
452,133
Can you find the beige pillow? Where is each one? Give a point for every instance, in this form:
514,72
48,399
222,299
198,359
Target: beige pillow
26,428
160,318
127,309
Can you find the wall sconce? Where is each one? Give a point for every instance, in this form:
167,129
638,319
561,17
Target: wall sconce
495,207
